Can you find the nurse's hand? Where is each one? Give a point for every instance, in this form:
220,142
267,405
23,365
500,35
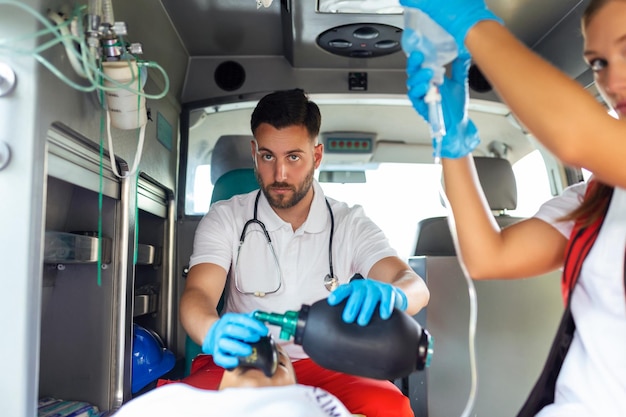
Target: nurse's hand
230,337
363,295
457,17
461,135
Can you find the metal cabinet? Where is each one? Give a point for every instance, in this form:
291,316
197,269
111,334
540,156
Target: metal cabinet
154,289
107,240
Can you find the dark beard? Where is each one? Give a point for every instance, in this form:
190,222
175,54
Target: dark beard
283,202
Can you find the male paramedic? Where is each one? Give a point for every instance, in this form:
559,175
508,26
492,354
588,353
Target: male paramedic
286,245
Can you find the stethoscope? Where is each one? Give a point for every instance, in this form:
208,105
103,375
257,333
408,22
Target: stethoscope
330,281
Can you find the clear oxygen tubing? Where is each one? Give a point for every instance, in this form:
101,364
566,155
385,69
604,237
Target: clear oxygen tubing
83,62
69,48
8,43
473,305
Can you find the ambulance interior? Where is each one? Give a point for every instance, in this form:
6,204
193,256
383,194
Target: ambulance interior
99,209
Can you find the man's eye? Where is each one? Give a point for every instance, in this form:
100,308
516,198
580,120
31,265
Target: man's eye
598,64
266,157
294,157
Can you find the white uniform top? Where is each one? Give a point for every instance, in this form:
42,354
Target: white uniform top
302,254
182,400
592,381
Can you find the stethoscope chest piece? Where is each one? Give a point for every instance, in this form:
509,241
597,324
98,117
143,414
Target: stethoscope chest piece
330,282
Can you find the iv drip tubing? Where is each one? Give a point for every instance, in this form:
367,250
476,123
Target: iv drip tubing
473,307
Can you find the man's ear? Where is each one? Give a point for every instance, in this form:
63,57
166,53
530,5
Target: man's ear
254,147
318,154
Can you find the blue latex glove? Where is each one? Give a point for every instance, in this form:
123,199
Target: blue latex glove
457,17
461,135
230,337
363,295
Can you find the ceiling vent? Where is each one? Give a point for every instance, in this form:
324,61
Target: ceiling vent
361,40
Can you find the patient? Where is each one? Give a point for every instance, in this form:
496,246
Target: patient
243,392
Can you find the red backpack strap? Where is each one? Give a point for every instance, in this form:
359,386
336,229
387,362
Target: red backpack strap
578,246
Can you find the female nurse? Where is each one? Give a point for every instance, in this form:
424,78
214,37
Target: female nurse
583,230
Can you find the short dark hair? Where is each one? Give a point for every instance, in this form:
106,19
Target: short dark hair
287,108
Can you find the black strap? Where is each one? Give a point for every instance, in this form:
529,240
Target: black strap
542,393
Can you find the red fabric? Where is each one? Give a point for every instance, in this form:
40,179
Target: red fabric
370,397
578,246
204,374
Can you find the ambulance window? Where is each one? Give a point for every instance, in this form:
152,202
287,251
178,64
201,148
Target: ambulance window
533,184
199,190
396,197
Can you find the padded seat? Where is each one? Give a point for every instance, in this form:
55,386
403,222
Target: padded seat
498,182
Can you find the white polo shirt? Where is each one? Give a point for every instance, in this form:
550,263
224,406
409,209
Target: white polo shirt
302,255
592,381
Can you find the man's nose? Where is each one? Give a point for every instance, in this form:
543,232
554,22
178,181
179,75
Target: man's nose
280,171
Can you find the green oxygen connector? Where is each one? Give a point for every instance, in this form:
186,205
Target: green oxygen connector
287,322
431,349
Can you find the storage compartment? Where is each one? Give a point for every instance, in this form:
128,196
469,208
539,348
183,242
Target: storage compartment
153,306
78,299
153,258
108,261
85,343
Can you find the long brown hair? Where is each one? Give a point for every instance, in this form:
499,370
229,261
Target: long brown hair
594,205
598,196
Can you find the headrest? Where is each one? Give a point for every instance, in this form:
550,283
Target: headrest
498,182
230,152
237,181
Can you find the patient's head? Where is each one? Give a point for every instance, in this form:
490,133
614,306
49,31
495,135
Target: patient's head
253,377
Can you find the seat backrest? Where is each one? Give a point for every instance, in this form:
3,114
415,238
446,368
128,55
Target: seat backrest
232,168
230,152
237,181
498,183
232,172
